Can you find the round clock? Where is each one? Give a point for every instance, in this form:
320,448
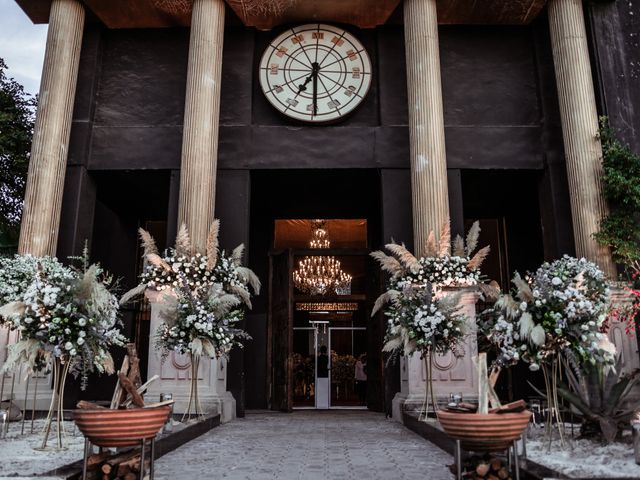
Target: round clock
315,73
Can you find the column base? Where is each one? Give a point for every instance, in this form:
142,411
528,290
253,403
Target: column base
211,403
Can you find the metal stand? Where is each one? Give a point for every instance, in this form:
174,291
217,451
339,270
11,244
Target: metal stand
458,460
87,452
513,466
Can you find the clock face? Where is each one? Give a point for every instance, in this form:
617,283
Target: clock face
315,73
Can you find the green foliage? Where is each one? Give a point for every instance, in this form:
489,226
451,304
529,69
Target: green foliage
600,394
620,230
17,112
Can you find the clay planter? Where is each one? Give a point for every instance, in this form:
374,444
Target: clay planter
484,432
121,428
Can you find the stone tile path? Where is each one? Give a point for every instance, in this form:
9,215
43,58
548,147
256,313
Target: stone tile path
309,445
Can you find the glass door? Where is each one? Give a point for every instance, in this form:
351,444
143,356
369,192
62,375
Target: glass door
303,365
348,367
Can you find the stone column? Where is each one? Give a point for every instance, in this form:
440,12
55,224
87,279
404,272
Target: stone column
45,181
201,120
426,120
579,117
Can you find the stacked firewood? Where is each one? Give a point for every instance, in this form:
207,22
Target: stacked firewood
122,466
485,467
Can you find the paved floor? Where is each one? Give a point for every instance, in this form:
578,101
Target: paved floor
308,445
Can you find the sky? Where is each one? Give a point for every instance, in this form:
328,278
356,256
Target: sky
21,45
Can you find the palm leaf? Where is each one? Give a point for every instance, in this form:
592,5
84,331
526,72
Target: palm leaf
247,276
383,299
490,292
472,238
133,293
458,247
445,240
183,242
478,258
393,344
237,254
431,247
212,245
387,263
158,262
148,243
524,290
86,285
13,309
404,256
242,293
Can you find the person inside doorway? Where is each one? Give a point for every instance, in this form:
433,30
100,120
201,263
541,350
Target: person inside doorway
361,379
323,363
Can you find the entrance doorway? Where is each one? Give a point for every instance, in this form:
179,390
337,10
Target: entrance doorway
329,366
320,316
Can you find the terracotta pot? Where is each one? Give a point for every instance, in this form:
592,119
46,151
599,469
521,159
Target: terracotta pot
487,432
121,428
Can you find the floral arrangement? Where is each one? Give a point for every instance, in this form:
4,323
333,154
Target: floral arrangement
61,313
421,316
443,265
559,309
205,292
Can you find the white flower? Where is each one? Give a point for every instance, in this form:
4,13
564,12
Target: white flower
80,341
556,281
82,322
68,346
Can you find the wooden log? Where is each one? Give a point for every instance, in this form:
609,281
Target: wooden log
159,404
130,476
483,384
492,477
117,393
503,473
143,388
482,469
84,405
96,459
106,468
496,464
136,398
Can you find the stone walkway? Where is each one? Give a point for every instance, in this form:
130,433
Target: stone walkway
308,445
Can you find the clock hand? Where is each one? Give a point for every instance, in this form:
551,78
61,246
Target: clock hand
303,87
314,74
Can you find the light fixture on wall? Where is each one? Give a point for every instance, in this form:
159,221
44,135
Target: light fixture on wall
321,274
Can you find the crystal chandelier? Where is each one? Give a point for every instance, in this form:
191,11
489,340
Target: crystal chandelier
320,275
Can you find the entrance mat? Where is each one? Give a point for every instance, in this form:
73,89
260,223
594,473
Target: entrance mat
529,470
166,443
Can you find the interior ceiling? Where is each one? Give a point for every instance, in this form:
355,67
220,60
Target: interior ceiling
267,14
342,233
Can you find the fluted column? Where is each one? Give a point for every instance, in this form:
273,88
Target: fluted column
579,116
426,120
201,119
47,166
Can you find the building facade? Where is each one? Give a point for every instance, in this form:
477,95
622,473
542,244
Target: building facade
152,113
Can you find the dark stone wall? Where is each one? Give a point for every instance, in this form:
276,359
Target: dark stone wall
135,107
615,54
